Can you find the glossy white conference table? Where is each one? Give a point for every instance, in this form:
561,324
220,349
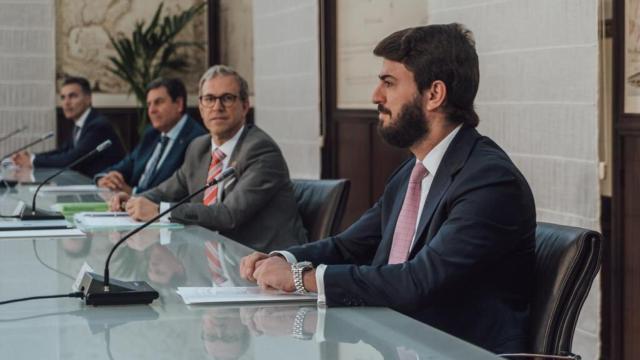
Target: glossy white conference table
65,328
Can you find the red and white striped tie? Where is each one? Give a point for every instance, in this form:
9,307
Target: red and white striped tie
215,169
213,260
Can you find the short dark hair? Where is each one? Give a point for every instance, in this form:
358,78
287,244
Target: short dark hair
82,82
439,52
175,87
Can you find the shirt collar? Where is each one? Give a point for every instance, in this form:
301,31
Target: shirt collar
80,122
432,161
175,130
229,145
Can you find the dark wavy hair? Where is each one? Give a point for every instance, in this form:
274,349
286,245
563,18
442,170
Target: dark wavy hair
439,52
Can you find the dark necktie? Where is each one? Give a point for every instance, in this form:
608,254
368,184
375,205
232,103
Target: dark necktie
153,168
76,130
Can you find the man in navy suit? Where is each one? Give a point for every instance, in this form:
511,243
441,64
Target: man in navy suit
90,129
161,150
451,240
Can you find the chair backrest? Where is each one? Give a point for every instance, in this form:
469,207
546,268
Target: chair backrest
321,204
567,260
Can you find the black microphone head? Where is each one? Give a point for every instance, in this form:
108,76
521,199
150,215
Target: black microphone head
47,135
225,174
104,145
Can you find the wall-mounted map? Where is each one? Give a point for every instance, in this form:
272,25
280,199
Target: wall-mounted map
632,57
82,38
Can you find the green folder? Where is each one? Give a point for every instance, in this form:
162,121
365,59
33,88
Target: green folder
70,209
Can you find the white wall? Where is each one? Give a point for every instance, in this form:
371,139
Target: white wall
287,80
27,70
538,100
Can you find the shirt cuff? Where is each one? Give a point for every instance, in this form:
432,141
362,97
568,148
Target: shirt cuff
291,259
322,300
33,158
97,177
164,206
322,313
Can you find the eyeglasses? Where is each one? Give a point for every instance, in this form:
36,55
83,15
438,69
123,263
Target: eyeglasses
209,101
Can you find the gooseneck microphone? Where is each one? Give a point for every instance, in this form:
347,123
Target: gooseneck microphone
13,133
43,138
100,290
35,214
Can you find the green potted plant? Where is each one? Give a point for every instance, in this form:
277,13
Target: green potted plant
151,51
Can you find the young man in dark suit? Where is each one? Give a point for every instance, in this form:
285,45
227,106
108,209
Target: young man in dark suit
90,129
161,150
256,207
451,240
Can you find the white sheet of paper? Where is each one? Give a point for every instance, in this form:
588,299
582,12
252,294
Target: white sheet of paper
41,233
69,188
106,220
31,224
196,295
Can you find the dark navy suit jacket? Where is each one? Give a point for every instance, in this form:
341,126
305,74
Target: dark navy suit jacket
470,271
96,129
133,165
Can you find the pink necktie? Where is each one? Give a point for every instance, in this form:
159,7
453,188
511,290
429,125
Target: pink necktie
215,168
406,225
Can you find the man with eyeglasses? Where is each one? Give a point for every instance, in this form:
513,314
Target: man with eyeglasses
255,207
164,143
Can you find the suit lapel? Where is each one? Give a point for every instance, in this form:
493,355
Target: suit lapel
453,160
177,150
235,161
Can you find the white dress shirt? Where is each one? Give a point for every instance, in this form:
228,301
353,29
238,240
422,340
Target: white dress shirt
227,148
79,123
173,136
431,162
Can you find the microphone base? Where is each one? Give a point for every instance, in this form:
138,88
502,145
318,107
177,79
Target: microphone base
120,292
28,214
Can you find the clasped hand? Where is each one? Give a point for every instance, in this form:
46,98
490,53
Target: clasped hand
138,207
269,272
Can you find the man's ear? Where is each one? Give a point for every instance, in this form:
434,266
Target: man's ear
435,95
182,103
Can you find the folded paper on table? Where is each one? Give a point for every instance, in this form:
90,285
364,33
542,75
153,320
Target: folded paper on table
23,225
115,220
69,188
55,233
196,295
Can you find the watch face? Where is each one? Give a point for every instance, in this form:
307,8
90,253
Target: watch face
304,265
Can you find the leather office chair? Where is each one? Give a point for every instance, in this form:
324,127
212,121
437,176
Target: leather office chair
321,204
567,261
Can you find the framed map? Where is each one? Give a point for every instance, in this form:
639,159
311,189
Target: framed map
632,57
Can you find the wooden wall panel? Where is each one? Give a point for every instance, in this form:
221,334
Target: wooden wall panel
630,161
353,149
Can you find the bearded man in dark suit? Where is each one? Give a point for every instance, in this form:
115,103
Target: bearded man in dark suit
451,240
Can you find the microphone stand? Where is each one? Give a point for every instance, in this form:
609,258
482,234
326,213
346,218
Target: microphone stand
100,290
45,137
14,132
35,214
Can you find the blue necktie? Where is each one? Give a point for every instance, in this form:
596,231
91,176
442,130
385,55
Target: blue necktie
153,168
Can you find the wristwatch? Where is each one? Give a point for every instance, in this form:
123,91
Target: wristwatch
297,270
298,325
